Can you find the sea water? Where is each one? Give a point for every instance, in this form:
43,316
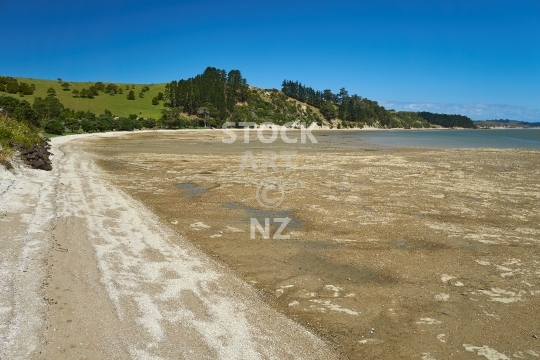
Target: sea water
446,138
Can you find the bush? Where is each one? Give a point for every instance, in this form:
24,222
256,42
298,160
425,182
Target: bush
148,123
72,124
54,127
12,87
125,124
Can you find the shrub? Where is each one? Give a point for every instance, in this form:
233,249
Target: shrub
54,127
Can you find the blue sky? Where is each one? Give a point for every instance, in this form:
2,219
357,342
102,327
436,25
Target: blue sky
478,58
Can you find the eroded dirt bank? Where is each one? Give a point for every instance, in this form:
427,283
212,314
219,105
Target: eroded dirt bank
393,253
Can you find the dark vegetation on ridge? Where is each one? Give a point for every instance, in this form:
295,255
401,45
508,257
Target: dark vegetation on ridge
357,111
216,96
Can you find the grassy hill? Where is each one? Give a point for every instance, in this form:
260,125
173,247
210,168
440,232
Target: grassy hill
261,105
118,104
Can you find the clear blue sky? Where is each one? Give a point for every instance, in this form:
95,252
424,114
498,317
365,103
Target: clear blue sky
480,58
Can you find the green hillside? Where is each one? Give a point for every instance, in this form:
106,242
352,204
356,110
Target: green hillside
207,99
118,104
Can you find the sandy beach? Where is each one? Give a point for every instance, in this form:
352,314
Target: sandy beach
90,273
139,246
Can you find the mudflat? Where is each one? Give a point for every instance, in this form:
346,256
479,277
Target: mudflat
391,252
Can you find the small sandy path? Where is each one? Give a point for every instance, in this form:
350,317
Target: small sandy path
88,272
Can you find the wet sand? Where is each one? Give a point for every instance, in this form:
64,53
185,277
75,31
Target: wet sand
392,253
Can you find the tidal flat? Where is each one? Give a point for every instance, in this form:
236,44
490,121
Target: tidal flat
391,252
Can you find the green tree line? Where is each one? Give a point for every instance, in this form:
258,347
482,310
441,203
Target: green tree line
446,120
353,110
12,86
51,115
212,94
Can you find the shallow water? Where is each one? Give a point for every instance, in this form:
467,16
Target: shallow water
261,215
191,189
496,138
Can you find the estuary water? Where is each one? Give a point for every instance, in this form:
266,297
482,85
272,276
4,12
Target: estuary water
493,138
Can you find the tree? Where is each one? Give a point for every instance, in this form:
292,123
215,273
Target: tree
105,122
127,87
141,95
111,89
59,80
125,124
94,90
213,87
48,108
54,127
148,123
75,93
25,89
87,125
18,110
51,92
343,96
9,104
72,125
155,101
85,93
24,112
12,87
328,110
131,95
65,86
160,96
99,86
